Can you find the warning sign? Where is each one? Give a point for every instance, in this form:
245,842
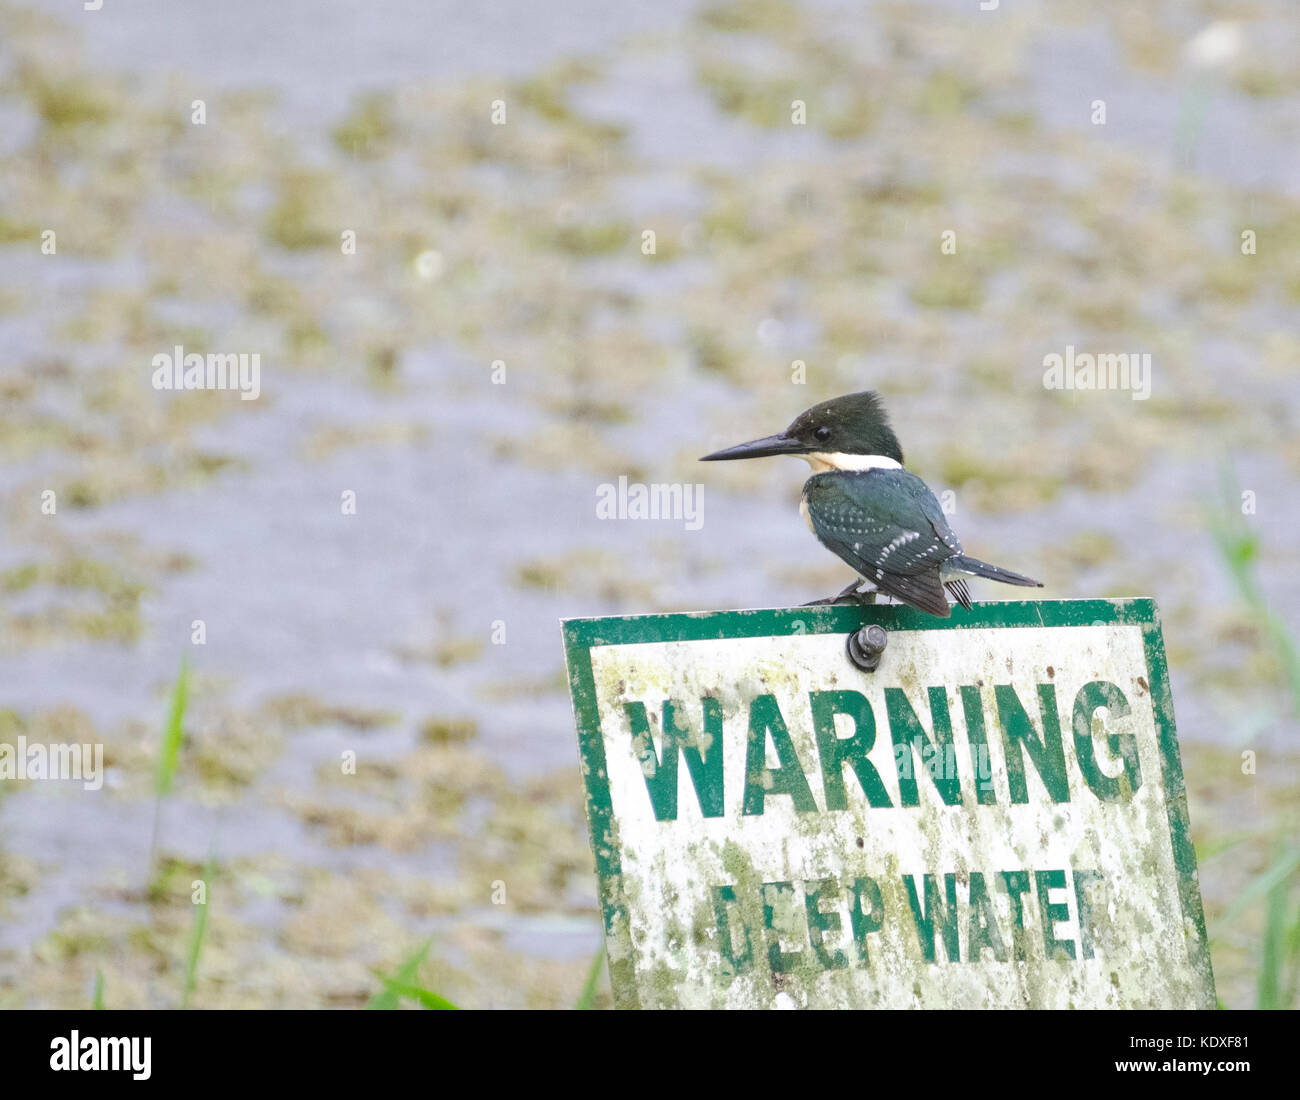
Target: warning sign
993,818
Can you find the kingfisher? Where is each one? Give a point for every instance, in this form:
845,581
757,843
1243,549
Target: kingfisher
865,507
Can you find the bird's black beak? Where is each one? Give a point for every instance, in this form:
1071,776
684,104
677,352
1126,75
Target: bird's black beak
759,448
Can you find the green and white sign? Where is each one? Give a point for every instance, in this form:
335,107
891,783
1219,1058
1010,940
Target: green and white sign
994,818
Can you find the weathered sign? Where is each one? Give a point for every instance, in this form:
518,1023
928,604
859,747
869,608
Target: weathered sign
995,817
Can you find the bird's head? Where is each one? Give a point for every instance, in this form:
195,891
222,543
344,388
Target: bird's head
854,426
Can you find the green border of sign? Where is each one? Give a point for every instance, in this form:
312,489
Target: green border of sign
583,635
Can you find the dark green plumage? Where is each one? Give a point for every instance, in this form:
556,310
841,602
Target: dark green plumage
888,526
854,424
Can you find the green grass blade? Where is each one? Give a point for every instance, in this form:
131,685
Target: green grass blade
173,732
405,976
97,998
1269,982
1289,655
1239,547
1292,964
1278,873
1208,849
587,998
197,933
168,754
425,997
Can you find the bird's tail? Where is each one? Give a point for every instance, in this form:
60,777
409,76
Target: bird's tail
977,568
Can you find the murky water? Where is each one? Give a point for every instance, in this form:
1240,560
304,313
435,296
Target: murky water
422,632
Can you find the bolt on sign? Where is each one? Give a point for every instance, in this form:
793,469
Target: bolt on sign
993,818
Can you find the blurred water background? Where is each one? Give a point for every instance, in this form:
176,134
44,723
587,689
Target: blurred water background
476,521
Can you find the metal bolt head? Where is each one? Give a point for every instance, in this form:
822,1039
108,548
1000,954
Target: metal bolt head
865,647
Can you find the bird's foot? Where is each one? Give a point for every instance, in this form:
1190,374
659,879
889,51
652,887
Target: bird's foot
850,595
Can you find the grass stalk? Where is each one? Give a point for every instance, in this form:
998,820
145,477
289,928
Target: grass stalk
168,756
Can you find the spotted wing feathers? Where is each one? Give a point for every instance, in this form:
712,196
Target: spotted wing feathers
887,525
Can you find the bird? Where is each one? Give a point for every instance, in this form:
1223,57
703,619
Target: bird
865,507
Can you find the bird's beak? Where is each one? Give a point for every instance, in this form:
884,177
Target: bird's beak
759,448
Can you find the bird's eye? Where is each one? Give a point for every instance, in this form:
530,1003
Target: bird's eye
823,433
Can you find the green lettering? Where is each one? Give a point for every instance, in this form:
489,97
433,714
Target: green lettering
868,917
778,918
972,706
1084,883
1053,880
906,730
933,913
983,922
1101,693
835,751
733,962
1019,736
1017,884
760,780
820,923
703,758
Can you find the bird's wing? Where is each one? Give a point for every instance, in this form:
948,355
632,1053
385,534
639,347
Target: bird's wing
887,525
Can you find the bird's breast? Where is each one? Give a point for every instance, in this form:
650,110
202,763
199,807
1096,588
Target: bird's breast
803,511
